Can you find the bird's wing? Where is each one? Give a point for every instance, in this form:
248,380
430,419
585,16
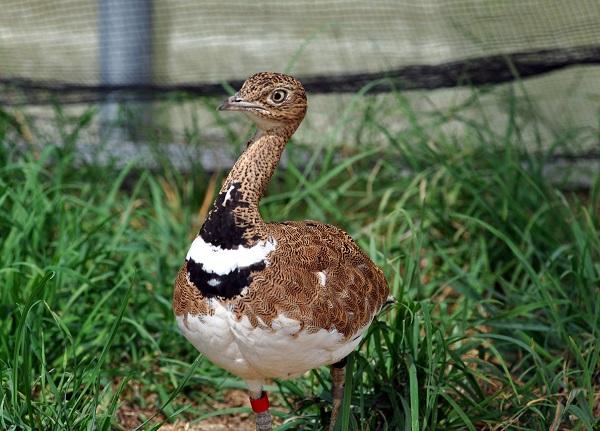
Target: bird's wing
317,276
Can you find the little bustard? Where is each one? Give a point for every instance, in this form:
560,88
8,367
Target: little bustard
273,300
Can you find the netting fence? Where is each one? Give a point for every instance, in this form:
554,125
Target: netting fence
80,52
339,45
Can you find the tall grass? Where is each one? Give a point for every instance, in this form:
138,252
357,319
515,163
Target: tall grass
496,272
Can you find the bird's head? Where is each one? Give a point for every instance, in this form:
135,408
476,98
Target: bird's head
272,100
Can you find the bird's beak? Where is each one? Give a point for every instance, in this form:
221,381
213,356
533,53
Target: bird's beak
236,103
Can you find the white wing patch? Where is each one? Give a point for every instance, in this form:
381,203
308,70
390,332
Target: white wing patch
222,261
322,277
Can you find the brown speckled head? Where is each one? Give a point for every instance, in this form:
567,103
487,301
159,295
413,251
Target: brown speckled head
270,99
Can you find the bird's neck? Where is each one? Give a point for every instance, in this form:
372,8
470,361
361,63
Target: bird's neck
235,219
255,167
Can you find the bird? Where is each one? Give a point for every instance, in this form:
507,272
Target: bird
273,300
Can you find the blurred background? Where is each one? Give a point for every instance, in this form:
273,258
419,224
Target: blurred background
457,141
145,65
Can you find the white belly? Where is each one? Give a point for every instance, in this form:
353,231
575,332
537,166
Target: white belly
257,353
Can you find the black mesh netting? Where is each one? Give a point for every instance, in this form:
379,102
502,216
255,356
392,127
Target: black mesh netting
73,51
77,52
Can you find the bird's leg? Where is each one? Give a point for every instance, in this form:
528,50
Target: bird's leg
260,404
337,390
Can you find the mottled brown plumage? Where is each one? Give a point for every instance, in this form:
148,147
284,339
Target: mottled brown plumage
353,292
301,278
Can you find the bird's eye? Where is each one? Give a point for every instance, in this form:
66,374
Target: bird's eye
278,96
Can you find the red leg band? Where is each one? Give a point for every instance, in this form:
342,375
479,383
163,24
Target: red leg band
261,404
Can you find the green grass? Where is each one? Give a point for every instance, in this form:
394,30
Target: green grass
496,272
